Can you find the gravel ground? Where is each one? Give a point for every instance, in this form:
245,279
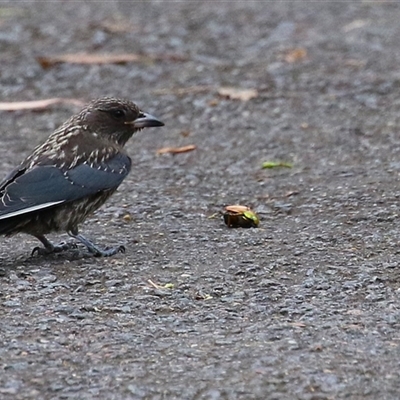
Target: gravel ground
304,307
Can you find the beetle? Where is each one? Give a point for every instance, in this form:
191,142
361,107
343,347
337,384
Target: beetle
238,216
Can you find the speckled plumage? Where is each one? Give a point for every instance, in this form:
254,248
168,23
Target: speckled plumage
72,173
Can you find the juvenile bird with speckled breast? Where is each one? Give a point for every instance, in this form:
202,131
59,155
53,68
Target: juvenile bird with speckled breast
72,174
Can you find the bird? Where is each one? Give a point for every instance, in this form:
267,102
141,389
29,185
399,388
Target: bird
69,176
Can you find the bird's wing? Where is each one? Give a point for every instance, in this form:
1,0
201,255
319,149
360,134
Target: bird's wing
45,186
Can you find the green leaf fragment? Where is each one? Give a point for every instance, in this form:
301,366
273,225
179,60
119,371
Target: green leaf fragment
276,164
169,286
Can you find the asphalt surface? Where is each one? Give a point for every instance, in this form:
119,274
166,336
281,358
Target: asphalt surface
304,307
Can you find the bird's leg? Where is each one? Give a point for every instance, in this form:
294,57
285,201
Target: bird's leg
50,247
95,250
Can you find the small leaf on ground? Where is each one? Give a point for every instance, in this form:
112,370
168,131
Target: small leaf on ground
176,150
238,93
183,91
295,55
105,58
169,286
37,104
118,25
276,164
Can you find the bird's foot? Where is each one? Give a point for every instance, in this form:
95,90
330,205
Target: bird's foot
51,248
95,250
107,252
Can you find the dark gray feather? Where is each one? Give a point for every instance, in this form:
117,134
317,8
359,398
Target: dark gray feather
44,186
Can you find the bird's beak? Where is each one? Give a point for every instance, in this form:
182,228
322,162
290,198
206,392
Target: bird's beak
145,121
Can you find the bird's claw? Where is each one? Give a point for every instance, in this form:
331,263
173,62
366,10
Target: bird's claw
41,251
63,246
107,252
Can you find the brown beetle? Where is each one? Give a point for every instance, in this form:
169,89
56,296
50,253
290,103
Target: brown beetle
237,216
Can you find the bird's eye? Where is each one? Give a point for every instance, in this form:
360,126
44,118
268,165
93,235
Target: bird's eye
118,114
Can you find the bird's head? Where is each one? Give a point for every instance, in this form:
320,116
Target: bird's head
115,119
